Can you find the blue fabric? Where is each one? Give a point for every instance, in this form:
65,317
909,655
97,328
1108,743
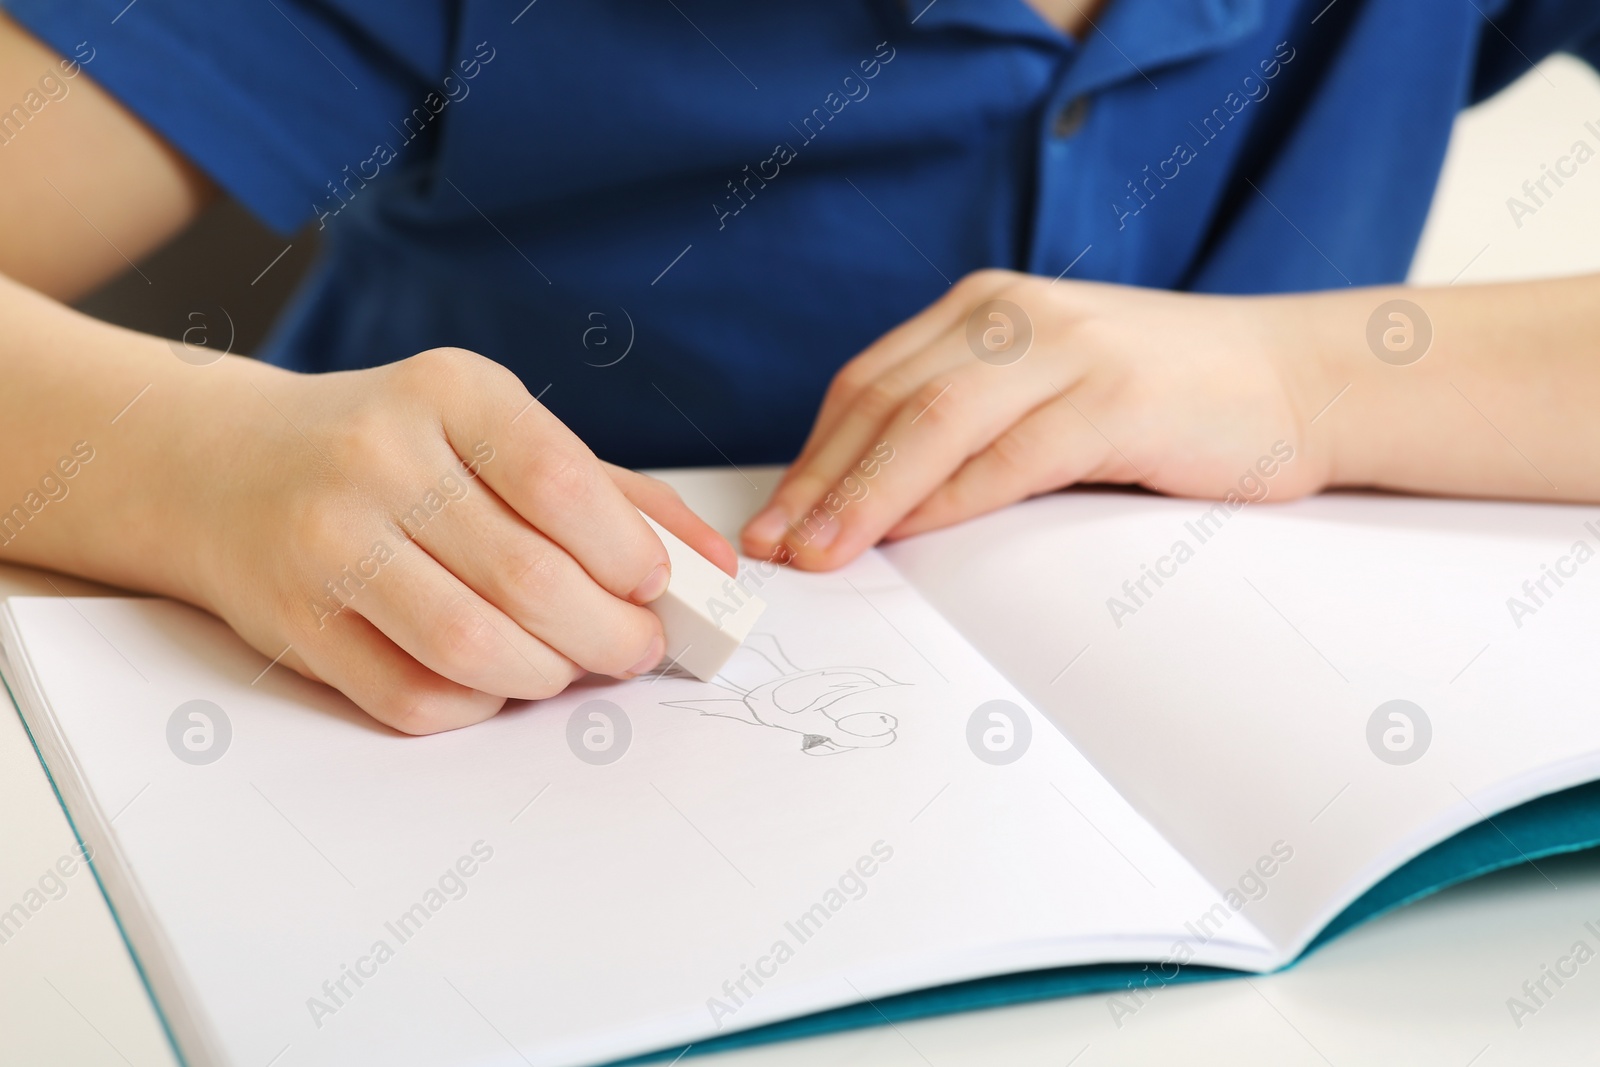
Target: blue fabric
749,194
1567,821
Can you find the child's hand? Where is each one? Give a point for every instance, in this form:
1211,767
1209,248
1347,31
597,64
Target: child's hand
1183,394
425,537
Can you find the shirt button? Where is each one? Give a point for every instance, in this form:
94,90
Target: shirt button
1071,117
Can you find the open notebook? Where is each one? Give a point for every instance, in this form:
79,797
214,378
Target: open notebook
994,762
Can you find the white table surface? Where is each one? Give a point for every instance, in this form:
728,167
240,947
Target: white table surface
1425,985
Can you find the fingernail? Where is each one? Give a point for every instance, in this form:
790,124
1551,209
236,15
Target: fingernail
766,527
653,586
657,646
826,534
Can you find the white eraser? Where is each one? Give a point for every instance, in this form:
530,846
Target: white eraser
704,614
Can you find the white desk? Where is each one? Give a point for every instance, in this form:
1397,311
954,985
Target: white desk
1427,985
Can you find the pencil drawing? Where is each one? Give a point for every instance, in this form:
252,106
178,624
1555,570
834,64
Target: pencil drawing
831,708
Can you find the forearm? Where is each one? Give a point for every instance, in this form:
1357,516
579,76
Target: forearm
101,433
89,476
1504,403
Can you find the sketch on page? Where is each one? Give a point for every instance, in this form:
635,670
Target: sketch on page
831,708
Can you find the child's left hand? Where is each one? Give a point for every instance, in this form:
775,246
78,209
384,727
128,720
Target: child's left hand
1181,393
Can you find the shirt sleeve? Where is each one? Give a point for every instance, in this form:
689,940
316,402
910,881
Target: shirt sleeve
1519,33
274,98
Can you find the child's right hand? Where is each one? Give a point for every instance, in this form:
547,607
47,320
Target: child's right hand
424,536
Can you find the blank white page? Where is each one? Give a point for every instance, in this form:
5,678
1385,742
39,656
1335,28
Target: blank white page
1232,705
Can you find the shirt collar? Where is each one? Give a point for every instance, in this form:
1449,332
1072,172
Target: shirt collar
1138,38
1130,38
995,18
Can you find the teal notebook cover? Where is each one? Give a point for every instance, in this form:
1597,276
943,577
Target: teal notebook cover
1568,821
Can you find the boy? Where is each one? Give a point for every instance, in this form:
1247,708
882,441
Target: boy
739,199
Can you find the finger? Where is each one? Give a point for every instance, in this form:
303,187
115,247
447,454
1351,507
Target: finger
442,624
900,343
951,418
551,478
386,683
1051,447
662,503
854,433
540,587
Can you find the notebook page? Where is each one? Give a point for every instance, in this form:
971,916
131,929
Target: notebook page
1236,702
817,821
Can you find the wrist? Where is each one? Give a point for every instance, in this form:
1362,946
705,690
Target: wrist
174,458
1357,354
209,458
1302,334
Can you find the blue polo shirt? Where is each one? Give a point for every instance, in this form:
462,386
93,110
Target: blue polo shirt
675,219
